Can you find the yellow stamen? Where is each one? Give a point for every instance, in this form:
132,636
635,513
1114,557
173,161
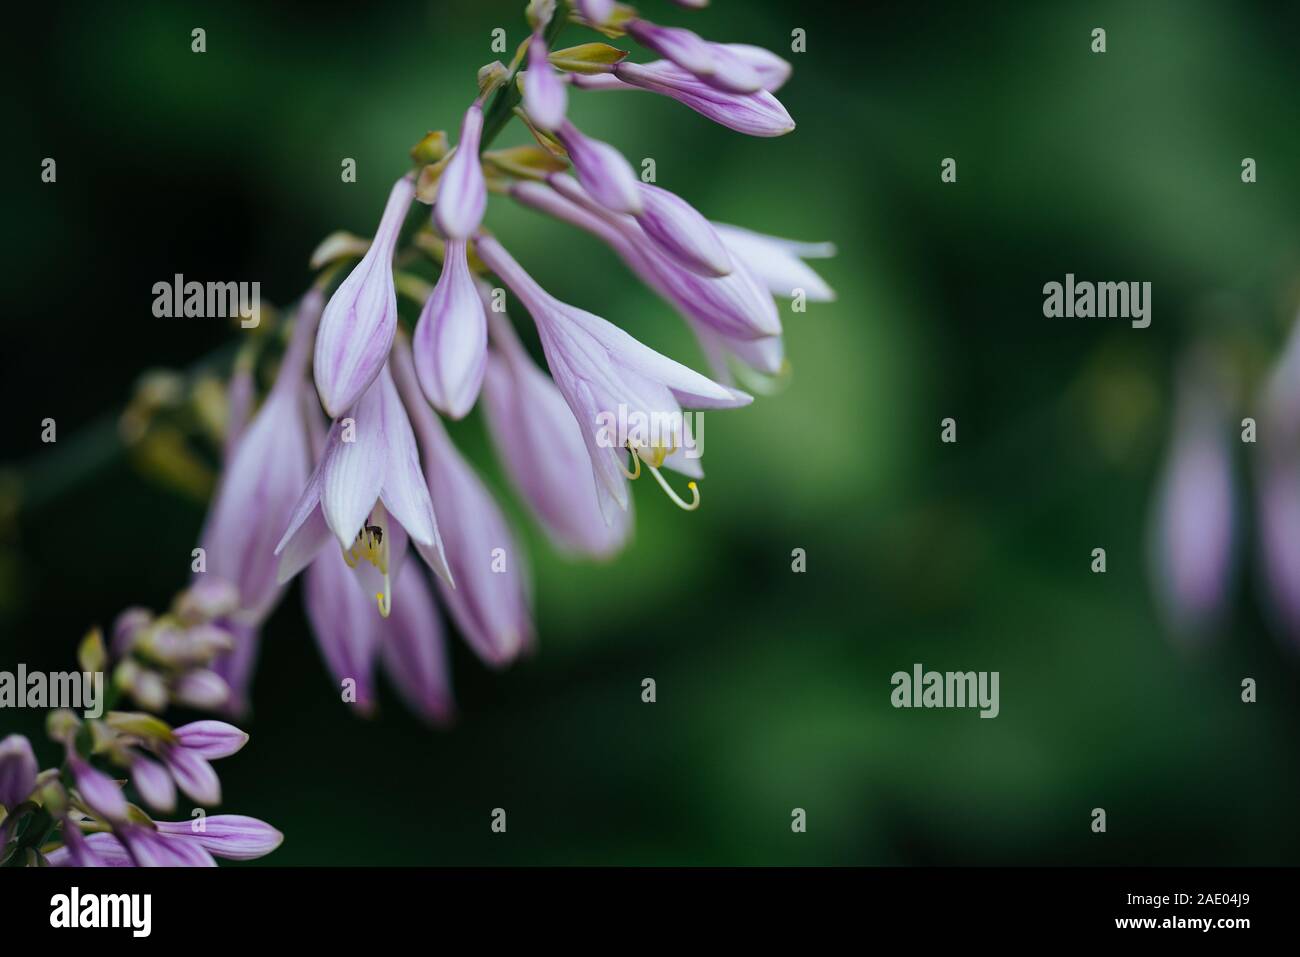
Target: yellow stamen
636,462
385,603
673,496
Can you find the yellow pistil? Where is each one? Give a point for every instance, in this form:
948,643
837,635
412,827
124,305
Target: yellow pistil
656,458
372,545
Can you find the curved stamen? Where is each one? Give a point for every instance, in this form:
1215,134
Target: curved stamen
636,461
673,496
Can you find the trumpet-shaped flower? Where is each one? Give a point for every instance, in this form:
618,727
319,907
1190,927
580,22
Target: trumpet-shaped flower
541,446
489,602
606,375
603,171
367,493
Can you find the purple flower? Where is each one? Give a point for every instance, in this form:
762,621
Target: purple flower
678,229
450,342
606,375
369,493
100,793
192,773
261,483
1278,489
414,651
17,770
602,170
772,70
712,63
358,325
489,601
345,624
150,848
462,191
201,688
735,304
1192,545
545,96
540,444
210,739
754,114
236,667
153,782
778,263
233,837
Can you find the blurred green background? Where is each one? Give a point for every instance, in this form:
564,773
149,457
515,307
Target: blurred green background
773,687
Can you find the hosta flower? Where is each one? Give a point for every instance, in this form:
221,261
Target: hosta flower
170,844
545,95
261,484
344,623
603,171
100,793
462,190
414,651
754,114
450,342
779,263
602,371
682,232
734,305
765,355
369,495
17,770
153,782
540,444
489,602
360,320
713,63
1193,543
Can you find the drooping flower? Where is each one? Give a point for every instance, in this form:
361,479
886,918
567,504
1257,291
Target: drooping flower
489,601
1193,533
369,494
541,447
360,320
261,484
606,375
545,95
603,171
754,114
100,792
344,623
779,263
713,63
413,649
462,190
235,837
682,232
450,341
17,771
735,305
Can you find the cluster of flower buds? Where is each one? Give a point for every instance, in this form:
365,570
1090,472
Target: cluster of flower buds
78,815
345,497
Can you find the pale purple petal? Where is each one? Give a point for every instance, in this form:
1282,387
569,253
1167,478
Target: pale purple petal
545,96
192,774
100,792
602,170
344,621
413,649
450,341
358,325
154,783
755,114
17,770
234,837
778,263
681,232
462,190
353,471
211,739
